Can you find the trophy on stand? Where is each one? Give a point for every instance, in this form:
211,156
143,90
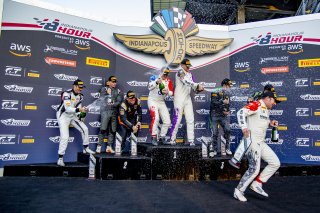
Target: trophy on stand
134,142
118,144
92,167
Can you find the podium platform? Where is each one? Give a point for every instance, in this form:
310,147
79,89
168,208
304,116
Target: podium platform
164,162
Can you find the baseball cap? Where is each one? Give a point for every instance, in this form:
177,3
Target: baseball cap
112,79
226,81
269,87
79,83
165,70
186,62
271,95
131,94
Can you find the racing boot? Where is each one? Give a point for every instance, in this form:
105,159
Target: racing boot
60,162
239,195
98,149
228,152
87,150
162,140
109,149
154,141
257,187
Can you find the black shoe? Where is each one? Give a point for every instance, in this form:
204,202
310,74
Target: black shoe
162,140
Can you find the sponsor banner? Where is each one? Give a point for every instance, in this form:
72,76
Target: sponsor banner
60,62
271,70
13,157
98,62
309,62
8,139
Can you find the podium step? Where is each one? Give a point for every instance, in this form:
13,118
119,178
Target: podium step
72,169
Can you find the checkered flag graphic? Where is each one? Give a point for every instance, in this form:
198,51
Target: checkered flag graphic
178,17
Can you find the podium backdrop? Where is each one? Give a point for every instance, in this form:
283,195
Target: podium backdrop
43,52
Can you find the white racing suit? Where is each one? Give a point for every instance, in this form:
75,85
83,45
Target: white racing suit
66,115
157,106
183,104
256,119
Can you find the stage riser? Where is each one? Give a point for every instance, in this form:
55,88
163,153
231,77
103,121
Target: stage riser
50,170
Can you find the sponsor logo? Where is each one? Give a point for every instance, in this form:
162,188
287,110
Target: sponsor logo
30,106
317,143
95,94
242,66
8,139
60,62
93,139
276,112
63,28
142,139
10,104
274,59
137,84
205,84
28,139
233,112
93,110
54,91
16,88
56,139
302,112
273,83
64,77
316,82
244,85
200,125
55,107
60,50
316,112
302,142
20,50
234,126
232,139
33,74
96,80
203,111
144,111
239,98
282,98
13,71
52,123
282,127
9,157
271,39
309,62
80,44
310,157
200,98
144,98
168,98
176,37
269,141
13,122
95,124
204,139
309,97
144,126
310,127
98,62
294,48
271,70
302,82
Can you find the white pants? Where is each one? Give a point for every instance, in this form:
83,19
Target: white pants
158,109
180,108
64,121
256,152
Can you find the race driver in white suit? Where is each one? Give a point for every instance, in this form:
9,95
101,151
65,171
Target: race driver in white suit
254,122
182,101
159,87
69,113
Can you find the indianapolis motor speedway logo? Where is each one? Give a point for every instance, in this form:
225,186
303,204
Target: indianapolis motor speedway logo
176,29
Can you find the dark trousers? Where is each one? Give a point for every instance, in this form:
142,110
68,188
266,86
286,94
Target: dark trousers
108,126
224,123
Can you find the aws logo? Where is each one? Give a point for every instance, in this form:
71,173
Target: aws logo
20,50
176,29
242,66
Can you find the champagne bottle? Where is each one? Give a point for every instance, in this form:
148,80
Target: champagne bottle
161,87
274,134
82,114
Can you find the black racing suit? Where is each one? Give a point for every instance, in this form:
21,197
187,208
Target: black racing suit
217,107
129,116
109,111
